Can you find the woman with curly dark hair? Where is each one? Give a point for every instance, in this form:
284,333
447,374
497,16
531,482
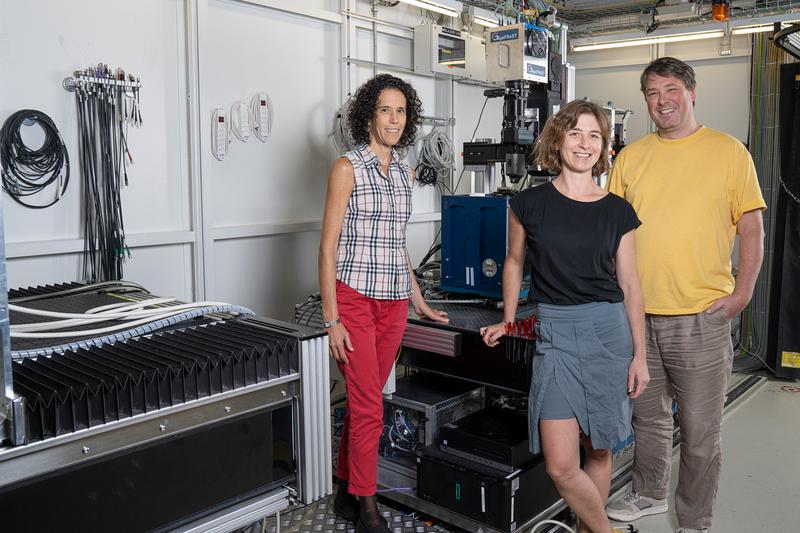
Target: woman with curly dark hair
366,278
589,358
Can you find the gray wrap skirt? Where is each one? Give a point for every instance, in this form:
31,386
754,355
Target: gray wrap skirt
584,350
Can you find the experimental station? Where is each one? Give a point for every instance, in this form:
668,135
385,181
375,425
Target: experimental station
164,168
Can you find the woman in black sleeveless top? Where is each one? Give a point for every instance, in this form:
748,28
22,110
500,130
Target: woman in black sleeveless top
589,359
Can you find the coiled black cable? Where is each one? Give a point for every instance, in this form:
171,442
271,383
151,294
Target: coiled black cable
26,171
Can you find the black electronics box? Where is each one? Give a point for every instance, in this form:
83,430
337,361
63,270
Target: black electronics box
499,500
494,437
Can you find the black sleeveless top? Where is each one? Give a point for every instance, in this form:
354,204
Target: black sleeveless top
572,244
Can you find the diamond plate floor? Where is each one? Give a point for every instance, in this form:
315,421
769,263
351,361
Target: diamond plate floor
319,517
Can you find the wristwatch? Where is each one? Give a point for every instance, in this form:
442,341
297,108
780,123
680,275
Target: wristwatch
331,323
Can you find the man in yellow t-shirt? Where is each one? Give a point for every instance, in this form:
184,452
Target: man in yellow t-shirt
694,189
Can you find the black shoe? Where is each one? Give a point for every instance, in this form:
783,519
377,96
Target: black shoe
345,505
380,527
369,516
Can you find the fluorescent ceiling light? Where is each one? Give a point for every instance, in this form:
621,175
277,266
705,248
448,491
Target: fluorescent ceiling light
430,6
761,28
649,40
752,29
485,22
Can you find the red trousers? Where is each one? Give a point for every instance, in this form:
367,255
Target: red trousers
376,328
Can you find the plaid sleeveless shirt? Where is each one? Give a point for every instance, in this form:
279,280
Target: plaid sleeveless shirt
372,245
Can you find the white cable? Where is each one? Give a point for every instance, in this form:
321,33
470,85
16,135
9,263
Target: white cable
138,331
437,153
240,132
61,324
131,305
55,314
340,134
438,148
116,327
255,114
551,522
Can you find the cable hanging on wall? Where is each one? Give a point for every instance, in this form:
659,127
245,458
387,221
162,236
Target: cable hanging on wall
436,157
107,103
27,171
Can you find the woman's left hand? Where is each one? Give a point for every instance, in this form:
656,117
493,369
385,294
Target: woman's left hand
638,376
424,310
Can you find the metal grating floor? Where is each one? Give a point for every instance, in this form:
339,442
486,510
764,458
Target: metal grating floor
319,517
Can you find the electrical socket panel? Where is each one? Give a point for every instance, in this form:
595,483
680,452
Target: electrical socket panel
261,120
219,133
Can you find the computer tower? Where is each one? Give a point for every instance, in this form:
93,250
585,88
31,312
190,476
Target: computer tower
500,500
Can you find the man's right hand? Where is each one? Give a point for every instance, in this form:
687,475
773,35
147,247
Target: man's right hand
339,342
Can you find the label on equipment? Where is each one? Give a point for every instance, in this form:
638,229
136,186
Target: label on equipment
504,35
536,70
448,31
790,359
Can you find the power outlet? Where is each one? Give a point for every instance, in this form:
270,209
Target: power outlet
219,134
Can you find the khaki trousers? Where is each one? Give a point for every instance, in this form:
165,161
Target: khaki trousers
689,358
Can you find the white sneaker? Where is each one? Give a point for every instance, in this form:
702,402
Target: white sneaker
633,506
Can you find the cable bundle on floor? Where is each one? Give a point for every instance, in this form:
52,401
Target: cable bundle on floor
436,158
28,171
107,102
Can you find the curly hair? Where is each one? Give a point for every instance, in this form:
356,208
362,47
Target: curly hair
549,141
362,109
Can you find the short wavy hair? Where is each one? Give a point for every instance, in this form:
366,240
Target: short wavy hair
669,67
549,141
365,101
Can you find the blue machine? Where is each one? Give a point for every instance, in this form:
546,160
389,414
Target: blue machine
474,244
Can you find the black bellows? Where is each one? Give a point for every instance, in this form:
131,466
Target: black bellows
85,388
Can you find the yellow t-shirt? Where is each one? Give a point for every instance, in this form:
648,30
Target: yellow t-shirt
689,194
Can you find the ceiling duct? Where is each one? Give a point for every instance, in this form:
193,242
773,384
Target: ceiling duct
673,10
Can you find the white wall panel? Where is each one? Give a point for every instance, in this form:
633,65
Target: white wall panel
41,43
46,49
267,274
161,269
164,270
42,270
294,60
723,95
